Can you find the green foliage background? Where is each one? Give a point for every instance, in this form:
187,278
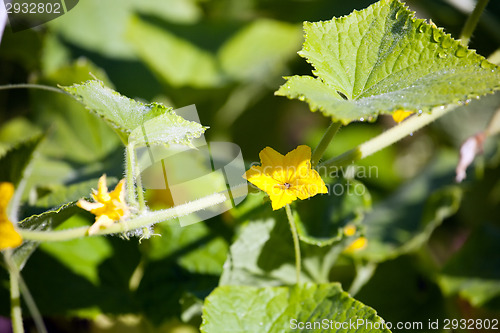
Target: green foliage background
432,244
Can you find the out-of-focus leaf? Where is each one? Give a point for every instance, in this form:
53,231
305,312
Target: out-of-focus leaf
474,272
263,255
277,309
64,193
16,159
81,256
382,59
346,203
99,26
176,60
73,133
402,291
87,285
259,50
405,220
184,260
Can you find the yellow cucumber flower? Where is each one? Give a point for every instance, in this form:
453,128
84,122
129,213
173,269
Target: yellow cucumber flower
400,115
9,237
107,207
286,178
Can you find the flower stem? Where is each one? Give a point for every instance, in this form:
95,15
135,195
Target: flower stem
324,142
130,172
296,243
387,138
143,220
15,295
472,21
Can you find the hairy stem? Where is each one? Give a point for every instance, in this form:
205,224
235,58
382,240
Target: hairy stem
296,243
129,175
143,220
324,142
387,138
15,294
472,21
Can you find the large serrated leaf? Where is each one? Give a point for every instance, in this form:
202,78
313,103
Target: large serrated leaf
382,59
286,309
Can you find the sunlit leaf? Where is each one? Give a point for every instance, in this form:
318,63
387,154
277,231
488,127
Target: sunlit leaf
382,59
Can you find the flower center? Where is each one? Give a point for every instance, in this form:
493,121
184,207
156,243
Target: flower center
287,185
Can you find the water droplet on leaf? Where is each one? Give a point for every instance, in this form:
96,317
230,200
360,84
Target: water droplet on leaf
486,64
446,42
461,52
441,54
436,35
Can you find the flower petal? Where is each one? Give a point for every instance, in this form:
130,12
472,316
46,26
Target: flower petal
102,190
400,115
273,164
281,198
101,223
310,185
119,192
265,182
298,163
9,237
6,193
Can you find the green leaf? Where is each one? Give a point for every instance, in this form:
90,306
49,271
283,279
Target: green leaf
51,218
176,60
346,203
125,114
277,309
16,159
259,50
474,271
404,221
167,128
382,59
